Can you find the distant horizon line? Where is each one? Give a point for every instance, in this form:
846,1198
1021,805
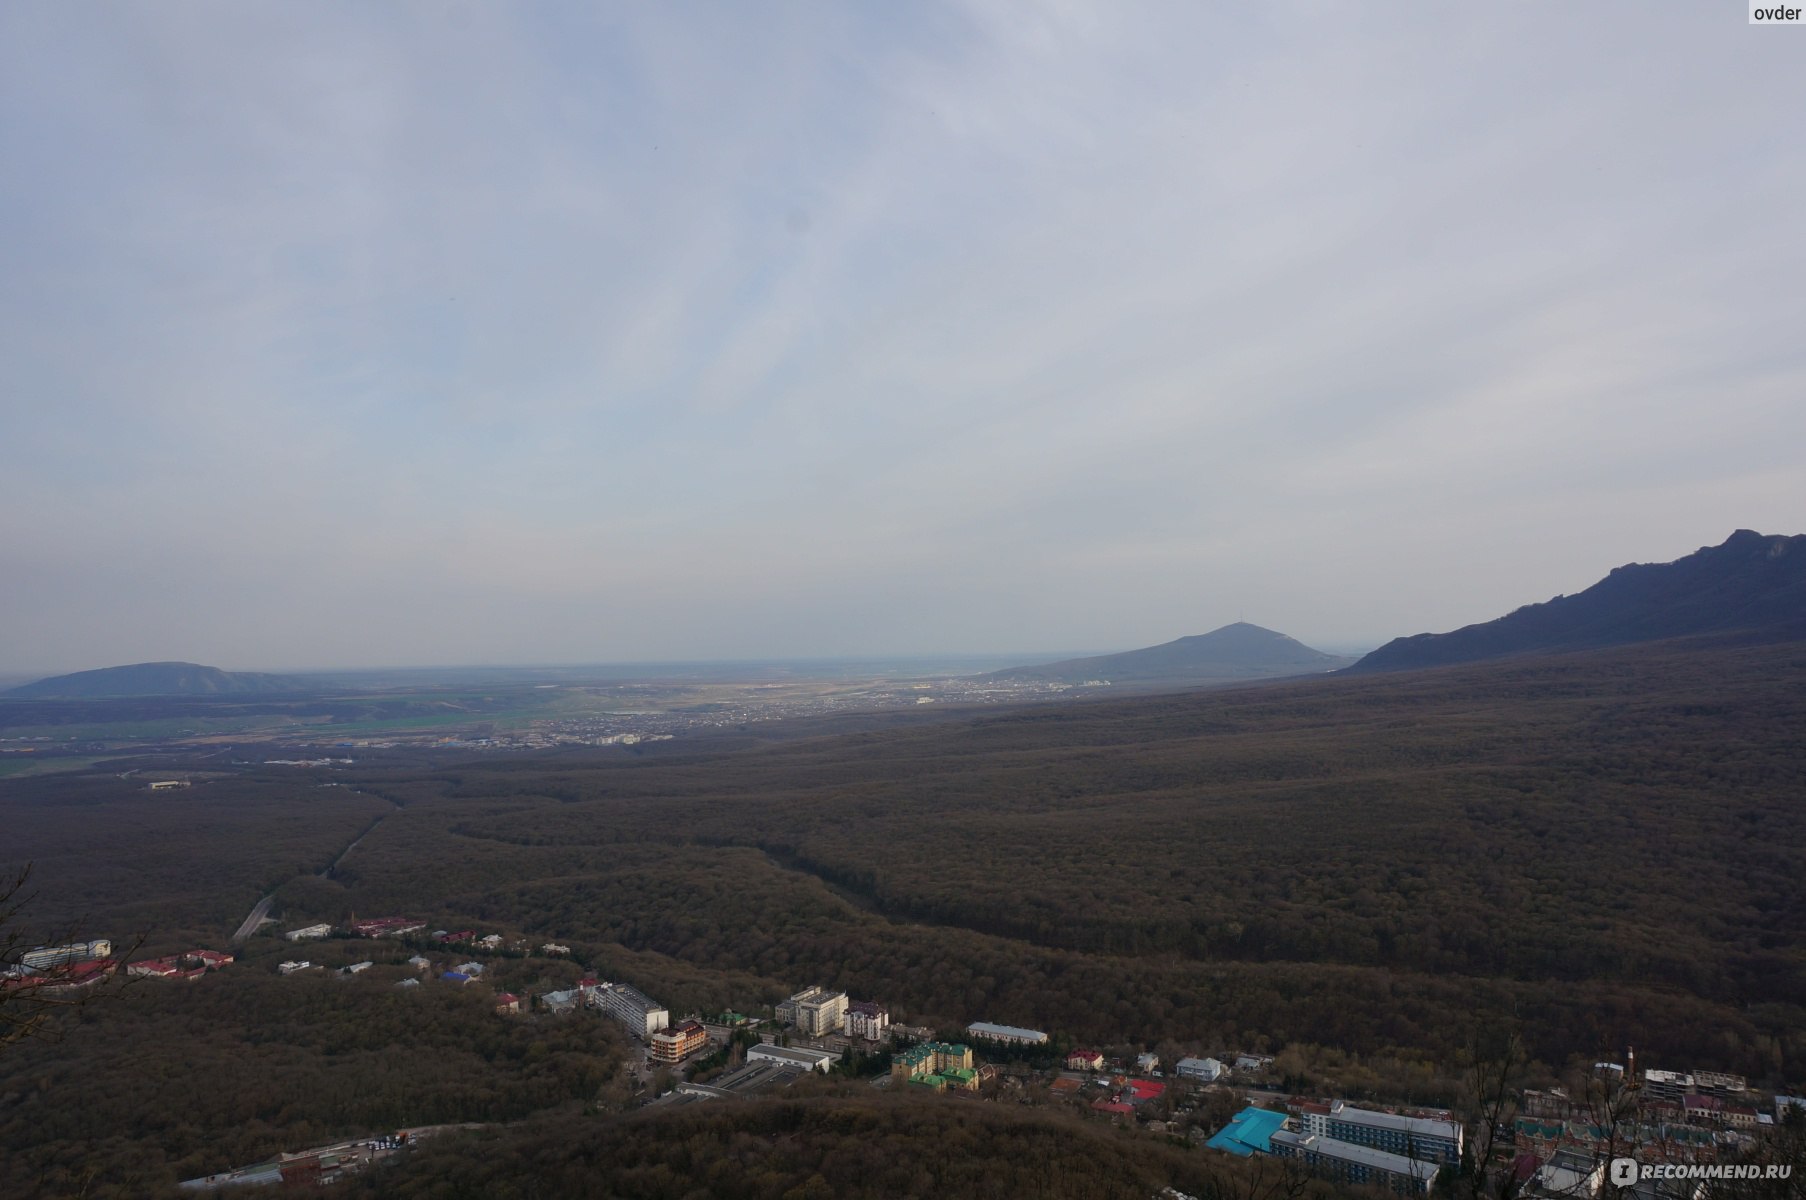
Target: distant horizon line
1344,648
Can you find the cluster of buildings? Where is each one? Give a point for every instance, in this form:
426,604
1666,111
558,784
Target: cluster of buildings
820,1013
1360,1146
65,968
642,1015
191,965
1665,1116
937,1066
384,927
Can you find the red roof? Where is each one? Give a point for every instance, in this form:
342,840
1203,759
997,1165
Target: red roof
153,966
507,998
1147,1089
1107,1106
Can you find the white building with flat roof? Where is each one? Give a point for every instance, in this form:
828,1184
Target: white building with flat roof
816,1011
308,933
793,1056
1202,1070
641,1014
1006,1033
867,1020
1424,1138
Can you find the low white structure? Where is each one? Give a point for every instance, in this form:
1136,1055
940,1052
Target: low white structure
308,933
289,968
793,1056
1006,1033
358,968
1202,1070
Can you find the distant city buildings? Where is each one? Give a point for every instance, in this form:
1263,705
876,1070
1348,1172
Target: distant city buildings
387,927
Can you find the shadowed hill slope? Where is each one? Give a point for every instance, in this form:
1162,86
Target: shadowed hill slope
159,679
1235,652
1752,584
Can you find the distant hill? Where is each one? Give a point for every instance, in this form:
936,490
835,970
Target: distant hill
1753,584
157,679
1234,652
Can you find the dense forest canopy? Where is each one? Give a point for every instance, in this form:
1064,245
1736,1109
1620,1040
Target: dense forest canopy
1603,849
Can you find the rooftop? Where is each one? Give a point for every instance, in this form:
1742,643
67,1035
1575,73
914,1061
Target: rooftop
1251,1131
986,1029
1367,1156
1373,1118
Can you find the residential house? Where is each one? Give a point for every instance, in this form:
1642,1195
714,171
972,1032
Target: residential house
1200,1070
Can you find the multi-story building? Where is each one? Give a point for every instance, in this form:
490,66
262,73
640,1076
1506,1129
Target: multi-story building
816,1011
1084,1060
1414,1137
867,1020
1666,1085
1353,1163
45,957
986,1031
1717,1083
634,1009
937,1065
1147,1064
674,1043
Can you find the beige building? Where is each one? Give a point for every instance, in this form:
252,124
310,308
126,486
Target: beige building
816,1011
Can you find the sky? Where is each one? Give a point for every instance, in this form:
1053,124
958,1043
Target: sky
452,333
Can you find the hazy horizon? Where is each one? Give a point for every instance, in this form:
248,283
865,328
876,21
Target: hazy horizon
461,335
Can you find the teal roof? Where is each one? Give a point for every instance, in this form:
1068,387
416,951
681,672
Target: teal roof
1251,1131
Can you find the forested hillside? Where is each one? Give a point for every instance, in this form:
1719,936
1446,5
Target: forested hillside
1601,849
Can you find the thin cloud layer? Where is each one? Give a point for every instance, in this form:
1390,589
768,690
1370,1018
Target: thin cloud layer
340,334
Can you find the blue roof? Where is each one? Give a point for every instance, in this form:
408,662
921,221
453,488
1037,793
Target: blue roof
456,977
1251,1130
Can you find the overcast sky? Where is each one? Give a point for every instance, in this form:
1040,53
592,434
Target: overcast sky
565,332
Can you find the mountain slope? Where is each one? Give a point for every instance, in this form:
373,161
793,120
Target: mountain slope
1238,651
157,679
1752,583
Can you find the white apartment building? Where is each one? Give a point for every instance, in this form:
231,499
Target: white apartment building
634,1009
867,1020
